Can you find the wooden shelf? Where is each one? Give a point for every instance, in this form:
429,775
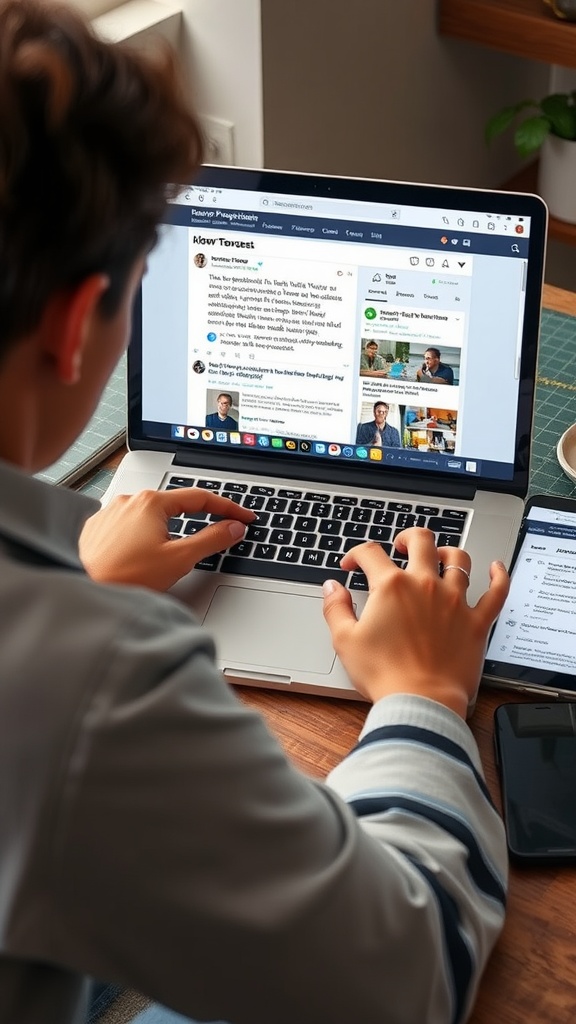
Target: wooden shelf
527,181
525,28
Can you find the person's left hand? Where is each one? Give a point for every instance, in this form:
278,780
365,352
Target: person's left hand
128,541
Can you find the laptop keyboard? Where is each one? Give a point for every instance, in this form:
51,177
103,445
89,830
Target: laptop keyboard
300,536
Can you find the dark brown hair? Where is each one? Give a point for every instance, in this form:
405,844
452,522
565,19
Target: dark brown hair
91,135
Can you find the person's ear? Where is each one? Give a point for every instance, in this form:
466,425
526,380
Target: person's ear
70,319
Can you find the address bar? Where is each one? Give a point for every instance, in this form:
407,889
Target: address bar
331,208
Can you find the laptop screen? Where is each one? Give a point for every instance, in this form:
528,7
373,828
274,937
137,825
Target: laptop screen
386,325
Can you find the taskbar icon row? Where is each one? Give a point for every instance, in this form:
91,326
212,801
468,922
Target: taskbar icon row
263,441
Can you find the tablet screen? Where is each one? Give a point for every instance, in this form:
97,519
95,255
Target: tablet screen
534,640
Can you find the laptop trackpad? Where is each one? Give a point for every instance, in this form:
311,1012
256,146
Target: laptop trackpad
277,631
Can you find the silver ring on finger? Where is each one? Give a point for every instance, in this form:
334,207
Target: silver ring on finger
459,568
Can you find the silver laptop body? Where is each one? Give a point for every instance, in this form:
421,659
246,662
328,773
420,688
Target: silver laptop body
270,289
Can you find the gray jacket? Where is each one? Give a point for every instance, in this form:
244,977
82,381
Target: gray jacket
153,833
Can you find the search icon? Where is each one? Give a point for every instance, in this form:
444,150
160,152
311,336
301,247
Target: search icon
515,248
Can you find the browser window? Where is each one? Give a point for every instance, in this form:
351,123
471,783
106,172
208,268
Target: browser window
307,312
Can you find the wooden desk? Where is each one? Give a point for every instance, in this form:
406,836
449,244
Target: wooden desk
532,974
531,978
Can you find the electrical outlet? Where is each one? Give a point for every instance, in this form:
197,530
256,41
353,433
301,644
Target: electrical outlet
218,139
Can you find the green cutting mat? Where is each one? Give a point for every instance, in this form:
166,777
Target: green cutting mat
555,408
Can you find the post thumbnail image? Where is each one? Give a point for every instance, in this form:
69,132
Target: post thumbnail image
430,429
411,361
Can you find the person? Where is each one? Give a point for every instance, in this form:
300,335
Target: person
153,833
433,370
372,364
198,366
378,431
220,420
200,260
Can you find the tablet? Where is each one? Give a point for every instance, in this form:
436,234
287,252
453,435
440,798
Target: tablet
533,644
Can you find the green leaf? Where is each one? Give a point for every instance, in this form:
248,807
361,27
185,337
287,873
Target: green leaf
500,122
530,135
561,113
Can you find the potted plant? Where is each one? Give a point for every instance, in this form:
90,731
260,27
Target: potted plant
549,127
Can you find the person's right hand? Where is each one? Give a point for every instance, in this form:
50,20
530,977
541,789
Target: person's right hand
416,634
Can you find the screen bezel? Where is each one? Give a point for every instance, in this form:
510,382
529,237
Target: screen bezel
366,474
524,678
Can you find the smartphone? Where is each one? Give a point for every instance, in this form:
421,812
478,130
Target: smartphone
533,645
535,747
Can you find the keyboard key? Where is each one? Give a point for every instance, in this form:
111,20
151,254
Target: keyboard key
404,520
383,518
358,581
193,526
232,496
282,521
299,508
427,510
306,523
305,540
454,513
283,492
330,543
298,573
355,530
330,526
379,533
259,533
344,499
442,525
181,481
447,540
209,564
372,503
281,537
253,501
399,506
243,547
175,525
333,562
341,512
240,488
313,557
288,555
321,509
265,551
209,485
261,489
361,515
313,496
276,504
352,542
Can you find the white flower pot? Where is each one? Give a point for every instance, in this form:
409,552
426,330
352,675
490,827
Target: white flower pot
557,177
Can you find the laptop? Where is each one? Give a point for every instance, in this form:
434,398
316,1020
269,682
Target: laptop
252,371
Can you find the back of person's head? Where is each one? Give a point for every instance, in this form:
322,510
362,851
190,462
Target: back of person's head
91,134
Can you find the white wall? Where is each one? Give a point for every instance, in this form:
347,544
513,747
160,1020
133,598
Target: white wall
370,88
221,47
